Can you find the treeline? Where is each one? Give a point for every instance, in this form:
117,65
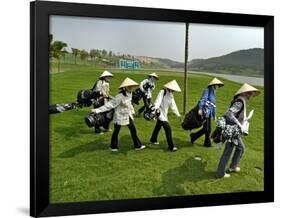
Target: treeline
58,52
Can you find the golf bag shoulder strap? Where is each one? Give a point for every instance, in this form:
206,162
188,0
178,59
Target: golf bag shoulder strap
95,85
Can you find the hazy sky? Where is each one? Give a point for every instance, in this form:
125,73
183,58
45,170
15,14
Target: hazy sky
154,39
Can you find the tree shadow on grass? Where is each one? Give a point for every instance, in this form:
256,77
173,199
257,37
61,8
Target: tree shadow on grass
190,171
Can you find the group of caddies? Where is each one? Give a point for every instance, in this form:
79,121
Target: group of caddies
124,112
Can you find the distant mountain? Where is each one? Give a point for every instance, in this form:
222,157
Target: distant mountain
151,62
242,62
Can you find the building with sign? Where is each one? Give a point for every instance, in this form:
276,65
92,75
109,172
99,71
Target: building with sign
129,64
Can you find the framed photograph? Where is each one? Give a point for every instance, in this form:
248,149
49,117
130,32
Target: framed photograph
142,109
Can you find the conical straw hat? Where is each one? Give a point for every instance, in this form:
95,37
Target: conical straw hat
247,88
173,85
106,73
128,82
216,81
154,75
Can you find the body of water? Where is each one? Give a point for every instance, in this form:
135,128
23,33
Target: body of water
255,81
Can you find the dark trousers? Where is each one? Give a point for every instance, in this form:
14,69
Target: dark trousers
133,131
229,146
206,129
168,132
146,102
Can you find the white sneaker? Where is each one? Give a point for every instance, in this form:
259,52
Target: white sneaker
140,148
235,170
226,175
114,149
174,149
155,143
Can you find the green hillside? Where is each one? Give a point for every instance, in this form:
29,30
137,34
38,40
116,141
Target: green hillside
244,62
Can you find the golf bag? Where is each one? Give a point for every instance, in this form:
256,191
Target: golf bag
59,108
85,97
192,120
138,93
151,113
99,119
137,96
225,131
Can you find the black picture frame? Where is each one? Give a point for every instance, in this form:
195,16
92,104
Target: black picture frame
39,119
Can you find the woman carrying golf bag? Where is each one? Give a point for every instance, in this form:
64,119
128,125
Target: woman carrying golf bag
236,117
102,88
123,113
164,101
147,86
207,110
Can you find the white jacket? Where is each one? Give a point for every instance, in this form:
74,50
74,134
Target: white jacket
123,108
102,86
164,102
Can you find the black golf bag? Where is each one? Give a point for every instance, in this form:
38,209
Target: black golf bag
192,120
59,108
85,97
99,119
137,96
151,112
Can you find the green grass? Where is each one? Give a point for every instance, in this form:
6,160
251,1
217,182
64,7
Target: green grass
82,168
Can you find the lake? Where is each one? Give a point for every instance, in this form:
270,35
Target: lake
256,81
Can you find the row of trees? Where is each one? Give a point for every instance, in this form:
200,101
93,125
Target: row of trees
57,50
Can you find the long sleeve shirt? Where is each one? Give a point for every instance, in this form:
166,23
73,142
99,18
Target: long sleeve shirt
102,86
207,102
237,111
164,102
123,108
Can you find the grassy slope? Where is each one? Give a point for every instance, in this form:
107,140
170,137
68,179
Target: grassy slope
83,168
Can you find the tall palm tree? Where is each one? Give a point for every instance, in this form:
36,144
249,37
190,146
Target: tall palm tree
83,55
64,52
51,48
58,51
75,52
92,54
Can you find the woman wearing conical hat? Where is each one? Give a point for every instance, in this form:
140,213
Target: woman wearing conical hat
207,110
236,115
147,86
123,113
101,88
164,101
